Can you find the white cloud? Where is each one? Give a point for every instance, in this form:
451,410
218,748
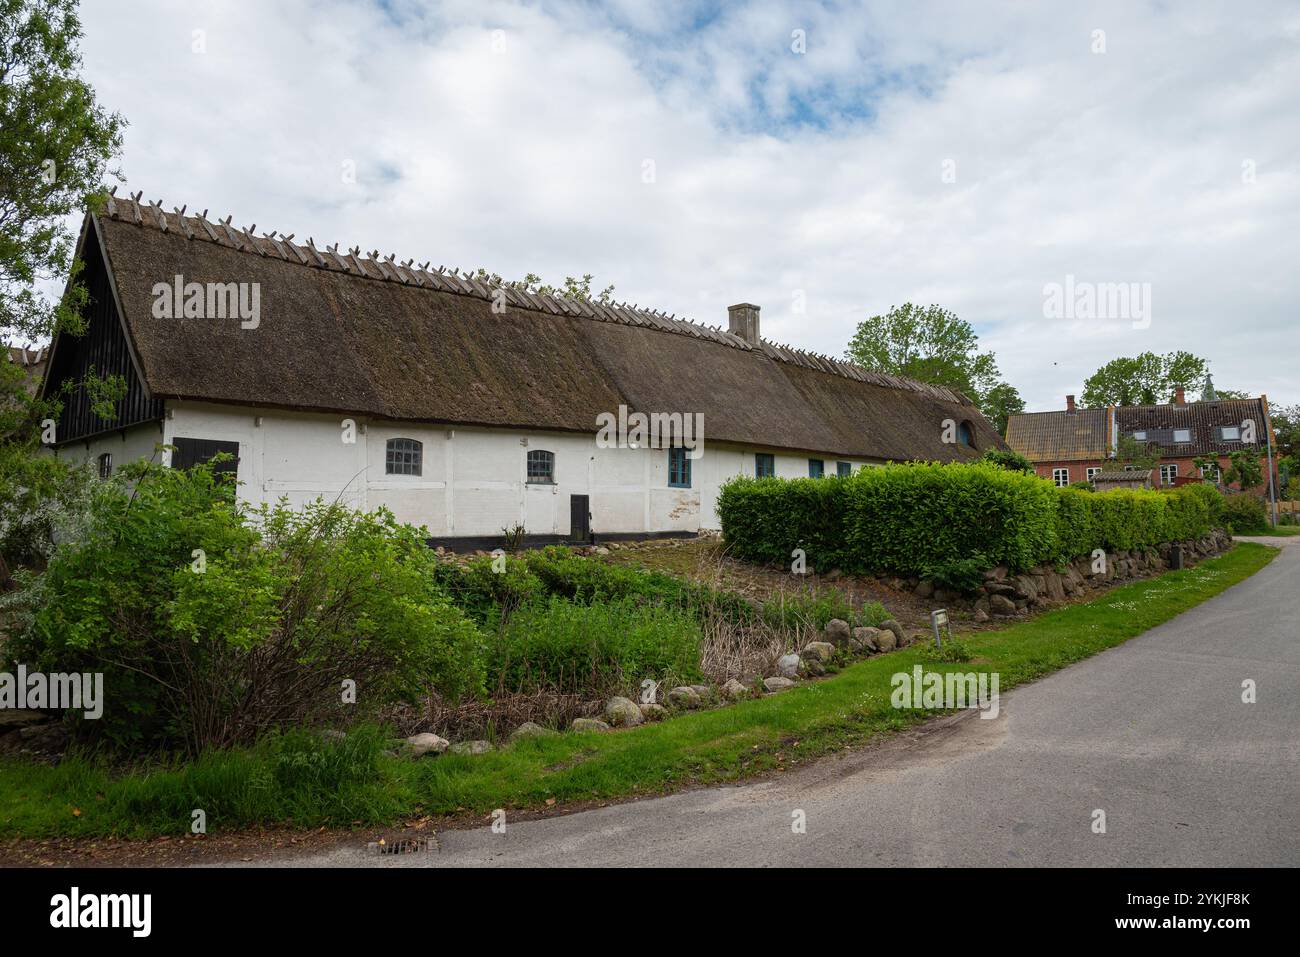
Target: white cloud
775,172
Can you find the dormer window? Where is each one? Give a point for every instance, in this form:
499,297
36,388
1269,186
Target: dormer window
404,457
1230,433
1182,436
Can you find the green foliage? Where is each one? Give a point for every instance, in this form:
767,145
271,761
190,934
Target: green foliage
570,648
955,651
212,625
930,344
1245,515
55,146
1142,456
573,288
800,611
950,520
1000,403
962,575
1244,471
1145,379
1008,459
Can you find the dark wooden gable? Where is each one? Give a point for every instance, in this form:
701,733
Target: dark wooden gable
103,348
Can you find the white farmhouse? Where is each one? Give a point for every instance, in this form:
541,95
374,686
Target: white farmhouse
466,409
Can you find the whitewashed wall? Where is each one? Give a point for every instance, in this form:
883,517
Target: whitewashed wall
474,479
124,446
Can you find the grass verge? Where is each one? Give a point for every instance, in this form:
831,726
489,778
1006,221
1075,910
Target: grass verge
305,781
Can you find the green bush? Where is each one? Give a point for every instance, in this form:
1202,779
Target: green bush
1008,459
965,575
1245,514
572,648
213,624
944,520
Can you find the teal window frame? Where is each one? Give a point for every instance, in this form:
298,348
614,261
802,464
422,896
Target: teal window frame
679,469
816,468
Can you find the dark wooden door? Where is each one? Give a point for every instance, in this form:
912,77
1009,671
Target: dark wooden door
579,518
191,452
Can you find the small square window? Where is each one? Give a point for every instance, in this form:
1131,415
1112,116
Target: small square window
403,457
1140,436
1061,477
764,465
1230,433
679,468
1167,474
843,469
816,468
541,467
1092,472
1182,435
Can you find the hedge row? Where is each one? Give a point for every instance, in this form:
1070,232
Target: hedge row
908,519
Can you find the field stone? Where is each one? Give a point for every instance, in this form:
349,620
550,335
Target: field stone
588,724
684,697
812,666
886,640
478,746
865,638
900,638
837,631
787,666
427,743
622,713
733,690
981,614
777,684
530,730
1001,605
653,712
821,650
704,691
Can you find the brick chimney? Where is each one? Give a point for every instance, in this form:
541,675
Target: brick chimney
1179,399
742,321
1069,403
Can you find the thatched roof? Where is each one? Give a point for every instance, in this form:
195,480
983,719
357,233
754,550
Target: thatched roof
343,332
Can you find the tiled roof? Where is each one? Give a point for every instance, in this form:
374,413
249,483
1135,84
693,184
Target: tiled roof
1058,436
1202,420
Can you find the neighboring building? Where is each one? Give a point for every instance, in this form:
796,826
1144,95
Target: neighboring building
1078,445
1120,478
469,410
32,361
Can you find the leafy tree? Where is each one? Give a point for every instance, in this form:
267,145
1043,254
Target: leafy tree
929,344
55,146
573,287
1009,459
1245,470
1000,403
1286,428
1144,379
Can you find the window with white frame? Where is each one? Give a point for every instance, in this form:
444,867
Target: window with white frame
1230,433
403,457
1210,473
1167,474
541,467
1093,471
1182,436
1061,477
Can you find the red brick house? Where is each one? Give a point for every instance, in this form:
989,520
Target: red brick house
1075,445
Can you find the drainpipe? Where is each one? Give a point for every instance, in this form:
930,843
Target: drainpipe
1268,438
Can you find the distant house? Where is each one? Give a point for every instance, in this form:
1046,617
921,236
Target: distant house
31,361
1080,445
461,407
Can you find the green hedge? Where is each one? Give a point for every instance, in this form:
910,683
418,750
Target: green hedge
904,519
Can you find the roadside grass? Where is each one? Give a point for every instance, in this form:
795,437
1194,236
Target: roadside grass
306,781
1280,531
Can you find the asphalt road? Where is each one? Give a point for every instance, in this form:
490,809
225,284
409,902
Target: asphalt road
1154,733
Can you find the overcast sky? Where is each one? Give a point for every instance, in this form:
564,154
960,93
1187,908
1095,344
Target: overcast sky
967,154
